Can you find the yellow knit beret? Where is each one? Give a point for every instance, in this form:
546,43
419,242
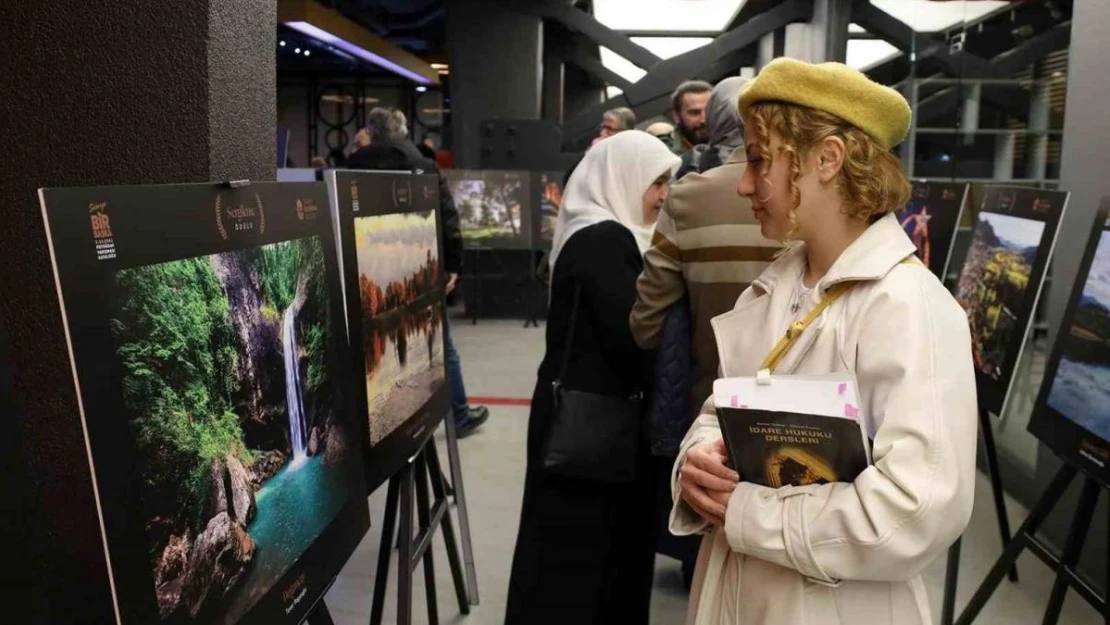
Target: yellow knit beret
834,88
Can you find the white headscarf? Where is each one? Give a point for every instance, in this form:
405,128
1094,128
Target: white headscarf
609,185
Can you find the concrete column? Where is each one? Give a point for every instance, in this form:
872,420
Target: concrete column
1037,161
554,86
907,151
101,93
1004,145
969,120
499,50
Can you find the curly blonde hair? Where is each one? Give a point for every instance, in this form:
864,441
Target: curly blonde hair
871,181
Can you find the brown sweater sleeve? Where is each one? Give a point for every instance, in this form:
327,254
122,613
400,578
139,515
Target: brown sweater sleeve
660,284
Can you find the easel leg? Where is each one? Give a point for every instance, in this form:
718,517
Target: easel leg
405,563
996,485
434,468
455,465
423,518
1010,554
1077,535
951,576
384,550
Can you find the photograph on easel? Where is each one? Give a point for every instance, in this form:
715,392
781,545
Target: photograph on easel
494,207
212,367
1001,279
550,191
930,219
1073,412
401,291
389,231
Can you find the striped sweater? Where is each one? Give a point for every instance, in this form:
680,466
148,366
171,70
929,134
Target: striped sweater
707,244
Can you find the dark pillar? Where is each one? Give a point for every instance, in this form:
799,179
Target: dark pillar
102,92
499,51
553,87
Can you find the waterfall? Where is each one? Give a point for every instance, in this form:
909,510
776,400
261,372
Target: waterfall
297,437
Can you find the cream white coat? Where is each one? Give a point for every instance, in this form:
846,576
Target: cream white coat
847,553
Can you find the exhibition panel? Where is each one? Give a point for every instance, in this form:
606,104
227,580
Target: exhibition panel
1001,280
549,192
494,207
930,219
204,325
1072,415
389,230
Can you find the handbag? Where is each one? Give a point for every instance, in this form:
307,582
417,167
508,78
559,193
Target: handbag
591,436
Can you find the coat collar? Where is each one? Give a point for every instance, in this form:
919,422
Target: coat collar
870,257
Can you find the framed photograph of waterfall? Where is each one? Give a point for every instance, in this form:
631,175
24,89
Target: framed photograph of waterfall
389,228
206,335
1072,414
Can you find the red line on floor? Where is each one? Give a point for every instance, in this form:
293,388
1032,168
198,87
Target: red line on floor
499,401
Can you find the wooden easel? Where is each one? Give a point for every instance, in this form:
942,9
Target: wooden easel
412,480
1064,566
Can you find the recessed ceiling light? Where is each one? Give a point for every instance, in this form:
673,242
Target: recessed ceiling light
282,43
297,51
307,53
421,89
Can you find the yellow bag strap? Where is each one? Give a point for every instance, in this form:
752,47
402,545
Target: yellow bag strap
778,352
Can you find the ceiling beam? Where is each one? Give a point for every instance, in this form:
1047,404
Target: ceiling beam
582,22
575,52
651,94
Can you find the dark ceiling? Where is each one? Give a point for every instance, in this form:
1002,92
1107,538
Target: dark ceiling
418,26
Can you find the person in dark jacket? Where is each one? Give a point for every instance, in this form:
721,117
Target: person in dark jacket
385,148
585,550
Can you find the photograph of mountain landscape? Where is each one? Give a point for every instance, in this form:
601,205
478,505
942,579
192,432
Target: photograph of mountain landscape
930,219
493,207
993,283
551,198
401,294
1081,389
243,451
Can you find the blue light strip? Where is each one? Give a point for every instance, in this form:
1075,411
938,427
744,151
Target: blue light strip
362,53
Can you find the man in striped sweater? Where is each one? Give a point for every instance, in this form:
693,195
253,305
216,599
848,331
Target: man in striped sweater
707,244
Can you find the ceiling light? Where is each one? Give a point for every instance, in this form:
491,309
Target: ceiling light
307,53
439,66
421,89
297,51
282,43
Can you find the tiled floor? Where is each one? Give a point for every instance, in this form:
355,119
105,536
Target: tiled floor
500,360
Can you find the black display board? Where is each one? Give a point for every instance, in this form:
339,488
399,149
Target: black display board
548,189
1072,414
495,207
1014,234
205,333
389,230
930,220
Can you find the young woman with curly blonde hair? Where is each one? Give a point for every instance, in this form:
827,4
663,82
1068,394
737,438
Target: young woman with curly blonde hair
822,178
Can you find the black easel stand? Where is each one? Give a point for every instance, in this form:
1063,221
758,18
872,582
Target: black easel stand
413,479
1065,565
952,573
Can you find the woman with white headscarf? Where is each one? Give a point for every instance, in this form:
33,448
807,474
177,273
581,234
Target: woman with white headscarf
585,550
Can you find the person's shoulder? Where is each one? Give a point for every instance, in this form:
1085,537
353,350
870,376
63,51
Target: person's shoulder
913,291
712,189
601,241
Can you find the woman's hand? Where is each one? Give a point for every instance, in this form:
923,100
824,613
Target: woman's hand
706,482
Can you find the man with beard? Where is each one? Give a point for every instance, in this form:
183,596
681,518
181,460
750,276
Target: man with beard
688,103
384,145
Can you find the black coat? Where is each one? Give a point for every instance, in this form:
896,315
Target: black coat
403,156
585,550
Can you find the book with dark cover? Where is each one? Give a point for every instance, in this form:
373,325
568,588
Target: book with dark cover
779,449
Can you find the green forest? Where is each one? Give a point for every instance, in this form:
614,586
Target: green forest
178,345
